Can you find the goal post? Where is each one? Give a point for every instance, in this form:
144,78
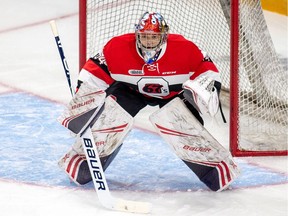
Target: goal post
235,34
233,12
83,13
258,93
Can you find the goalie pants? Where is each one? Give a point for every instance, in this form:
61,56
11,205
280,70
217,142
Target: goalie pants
133,101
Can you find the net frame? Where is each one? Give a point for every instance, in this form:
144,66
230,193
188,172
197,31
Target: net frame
239,39
233,16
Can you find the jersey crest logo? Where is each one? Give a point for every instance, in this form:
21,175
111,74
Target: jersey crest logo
152,88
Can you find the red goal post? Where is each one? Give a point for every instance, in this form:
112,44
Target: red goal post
237,39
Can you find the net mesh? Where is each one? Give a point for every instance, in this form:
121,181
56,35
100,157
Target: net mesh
262,79
263,84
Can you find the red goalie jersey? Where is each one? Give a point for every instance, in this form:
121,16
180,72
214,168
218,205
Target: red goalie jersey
121,60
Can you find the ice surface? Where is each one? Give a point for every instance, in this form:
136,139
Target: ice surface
33,91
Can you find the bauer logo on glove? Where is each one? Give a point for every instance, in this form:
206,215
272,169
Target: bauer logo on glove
202,94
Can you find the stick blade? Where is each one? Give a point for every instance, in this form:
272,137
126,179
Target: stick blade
133,206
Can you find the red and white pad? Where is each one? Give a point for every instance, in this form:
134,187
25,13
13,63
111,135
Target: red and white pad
193,144
109,131
83,107
111,128
71,161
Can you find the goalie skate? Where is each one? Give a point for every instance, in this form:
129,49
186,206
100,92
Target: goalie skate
75,165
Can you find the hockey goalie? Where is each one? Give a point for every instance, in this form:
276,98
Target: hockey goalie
149,68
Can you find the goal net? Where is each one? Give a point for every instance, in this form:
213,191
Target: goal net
253,79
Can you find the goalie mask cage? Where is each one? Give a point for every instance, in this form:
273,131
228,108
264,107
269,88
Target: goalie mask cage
235,36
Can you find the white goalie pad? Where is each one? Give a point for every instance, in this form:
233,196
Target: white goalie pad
109,132
111,128
83,107
202,94
192,142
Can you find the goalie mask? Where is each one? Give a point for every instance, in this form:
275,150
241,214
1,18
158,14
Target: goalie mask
151,33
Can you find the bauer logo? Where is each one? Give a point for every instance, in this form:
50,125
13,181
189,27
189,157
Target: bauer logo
196,149
83,103
94,164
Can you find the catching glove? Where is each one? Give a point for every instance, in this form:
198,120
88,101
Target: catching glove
202,94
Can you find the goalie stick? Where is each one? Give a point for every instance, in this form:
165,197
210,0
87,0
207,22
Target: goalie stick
61,53
92,155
